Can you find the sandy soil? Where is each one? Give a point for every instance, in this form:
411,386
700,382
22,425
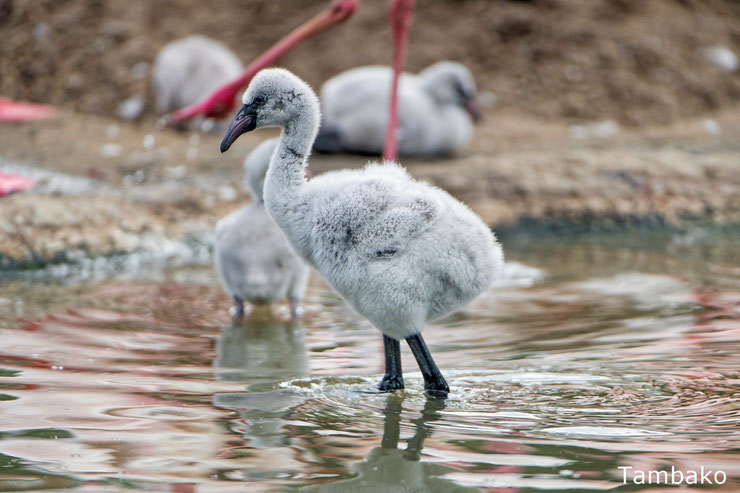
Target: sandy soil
112,187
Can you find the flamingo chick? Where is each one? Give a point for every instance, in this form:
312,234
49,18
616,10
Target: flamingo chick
253,259
436,110
399,251
189,69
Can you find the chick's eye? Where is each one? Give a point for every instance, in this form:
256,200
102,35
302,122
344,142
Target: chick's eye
259,99
461,91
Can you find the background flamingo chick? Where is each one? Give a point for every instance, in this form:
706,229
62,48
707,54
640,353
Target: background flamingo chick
189,69
436,110
253,259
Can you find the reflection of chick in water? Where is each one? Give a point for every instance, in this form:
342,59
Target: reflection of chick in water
261,350
261,353
390,469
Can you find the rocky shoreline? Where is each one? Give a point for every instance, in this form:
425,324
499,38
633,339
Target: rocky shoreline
121,189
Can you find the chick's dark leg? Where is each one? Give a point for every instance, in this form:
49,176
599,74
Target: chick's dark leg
393,378
294,308
238,308
434,383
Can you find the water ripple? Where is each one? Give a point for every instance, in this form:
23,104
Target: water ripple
556,382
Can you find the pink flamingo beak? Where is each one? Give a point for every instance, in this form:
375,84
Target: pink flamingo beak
14,183
222,102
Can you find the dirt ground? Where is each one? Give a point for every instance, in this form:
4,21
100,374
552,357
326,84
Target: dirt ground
633,61
107,186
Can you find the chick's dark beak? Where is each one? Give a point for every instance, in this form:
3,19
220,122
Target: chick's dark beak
473,108
244,121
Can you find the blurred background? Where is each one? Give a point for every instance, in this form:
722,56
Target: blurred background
631,61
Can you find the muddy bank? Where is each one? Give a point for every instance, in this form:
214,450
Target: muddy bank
120,188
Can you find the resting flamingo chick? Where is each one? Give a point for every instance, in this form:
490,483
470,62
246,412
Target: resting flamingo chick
436,110
399,251
189,69
253,259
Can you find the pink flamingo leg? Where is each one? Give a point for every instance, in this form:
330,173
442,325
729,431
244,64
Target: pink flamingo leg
400,14
221,103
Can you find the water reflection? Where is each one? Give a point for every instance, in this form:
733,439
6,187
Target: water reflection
394,469
261,350
617,358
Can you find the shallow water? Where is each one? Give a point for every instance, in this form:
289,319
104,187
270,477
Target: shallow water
622,355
